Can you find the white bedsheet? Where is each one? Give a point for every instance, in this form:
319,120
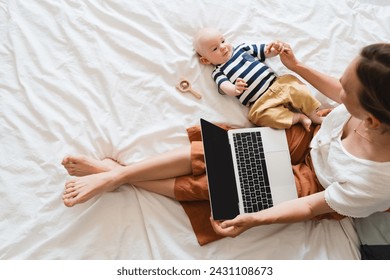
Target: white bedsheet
98,78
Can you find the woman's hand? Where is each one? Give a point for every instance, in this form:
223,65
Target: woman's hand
288,58
235,227
285,53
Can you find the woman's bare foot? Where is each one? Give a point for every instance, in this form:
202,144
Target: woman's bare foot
81,189
81,165
303,119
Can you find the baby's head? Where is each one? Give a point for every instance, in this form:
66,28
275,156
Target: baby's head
211,46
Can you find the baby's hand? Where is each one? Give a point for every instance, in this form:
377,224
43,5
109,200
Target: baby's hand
276,48
241,86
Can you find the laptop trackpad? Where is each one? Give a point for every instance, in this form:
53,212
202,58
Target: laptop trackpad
280,176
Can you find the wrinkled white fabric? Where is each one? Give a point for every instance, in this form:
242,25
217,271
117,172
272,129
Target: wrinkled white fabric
98,78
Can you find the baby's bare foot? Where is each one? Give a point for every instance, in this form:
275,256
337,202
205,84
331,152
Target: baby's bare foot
304,120
315,118
82,165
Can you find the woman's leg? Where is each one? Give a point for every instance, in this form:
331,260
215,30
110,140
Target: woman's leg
156,174
164,187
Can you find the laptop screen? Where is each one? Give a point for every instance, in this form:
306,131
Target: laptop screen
220,172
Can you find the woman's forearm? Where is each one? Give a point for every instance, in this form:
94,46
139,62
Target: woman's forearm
292,211
297,210
327,85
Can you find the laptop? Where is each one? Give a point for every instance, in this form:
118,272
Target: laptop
248,169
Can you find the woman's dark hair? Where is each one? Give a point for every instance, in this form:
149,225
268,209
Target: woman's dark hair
373,71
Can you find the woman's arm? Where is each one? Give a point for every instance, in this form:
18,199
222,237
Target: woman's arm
327,85
297,210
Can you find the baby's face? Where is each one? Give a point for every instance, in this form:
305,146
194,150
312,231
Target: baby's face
214,48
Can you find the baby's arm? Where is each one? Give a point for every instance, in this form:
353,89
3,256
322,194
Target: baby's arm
233,89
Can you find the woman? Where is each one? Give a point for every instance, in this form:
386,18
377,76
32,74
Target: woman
350,155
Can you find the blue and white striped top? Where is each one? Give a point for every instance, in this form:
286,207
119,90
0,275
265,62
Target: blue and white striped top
247,62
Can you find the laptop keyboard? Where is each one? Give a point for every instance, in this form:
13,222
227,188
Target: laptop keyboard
252,170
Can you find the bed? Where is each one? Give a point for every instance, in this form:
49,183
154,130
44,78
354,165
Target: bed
98,78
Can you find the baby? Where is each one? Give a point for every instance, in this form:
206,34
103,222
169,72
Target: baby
277,102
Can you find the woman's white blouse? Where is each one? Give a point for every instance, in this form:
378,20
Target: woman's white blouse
353,187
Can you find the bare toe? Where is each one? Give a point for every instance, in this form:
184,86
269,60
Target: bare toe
68,202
